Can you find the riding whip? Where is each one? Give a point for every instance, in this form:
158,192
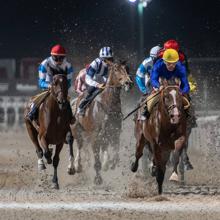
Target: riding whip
139,106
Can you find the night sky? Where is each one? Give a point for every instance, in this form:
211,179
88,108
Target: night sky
30,28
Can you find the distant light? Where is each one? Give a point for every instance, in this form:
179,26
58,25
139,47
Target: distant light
132,0
144,4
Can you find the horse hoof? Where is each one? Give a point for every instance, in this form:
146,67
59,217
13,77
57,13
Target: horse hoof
134,167
153,171
41,167
174,177
49,161
98,180
71,171
55,186
188,166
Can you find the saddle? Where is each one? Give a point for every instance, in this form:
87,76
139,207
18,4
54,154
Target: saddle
153,99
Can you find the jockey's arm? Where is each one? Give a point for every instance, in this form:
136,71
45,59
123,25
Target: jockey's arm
184,86
42,77
141,84
154,78
142,76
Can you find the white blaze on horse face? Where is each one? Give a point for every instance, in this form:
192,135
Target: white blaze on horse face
175,111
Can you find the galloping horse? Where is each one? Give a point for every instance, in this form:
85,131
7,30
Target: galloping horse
53,124
163,132
101,124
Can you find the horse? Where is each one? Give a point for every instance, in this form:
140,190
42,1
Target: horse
53,125
101,124
163,132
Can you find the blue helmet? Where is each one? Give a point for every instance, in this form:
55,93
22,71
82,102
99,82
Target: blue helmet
106,52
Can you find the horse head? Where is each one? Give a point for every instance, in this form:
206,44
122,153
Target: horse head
119,77
173,103
59,89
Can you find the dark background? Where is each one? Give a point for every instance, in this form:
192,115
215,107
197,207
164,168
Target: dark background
30,28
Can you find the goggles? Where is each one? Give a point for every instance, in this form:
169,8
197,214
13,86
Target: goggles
170,64
58,58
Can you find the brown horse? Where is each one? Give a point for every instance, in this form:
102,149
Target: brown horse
53,124
163,132
101,124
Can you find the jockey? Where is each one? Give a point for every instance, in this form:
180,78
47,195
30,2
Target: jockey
57,61
144,70
173,44
96,77
170,67
143,76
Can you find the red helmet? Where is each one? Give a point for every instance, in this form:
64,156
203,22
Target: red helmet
58,50
171,44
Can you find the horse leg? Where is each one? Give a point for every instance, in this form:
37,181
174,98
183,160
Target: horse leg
77,162
187,164
69,140
181,170
139,152
47,151
96,151
105,163
179,145
34,137
147,162
161,159
174,175
104,144
56,160
76,130
115,143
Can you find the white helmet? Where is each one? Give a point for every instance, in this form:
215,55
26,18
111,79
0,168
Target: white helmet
154,51
106,52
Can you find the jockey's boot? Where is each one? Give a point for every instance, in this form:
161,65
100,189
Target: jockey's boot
32,114
82,107
145,114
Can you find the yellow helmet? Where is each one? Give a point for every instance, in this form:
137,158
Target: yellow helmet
170,56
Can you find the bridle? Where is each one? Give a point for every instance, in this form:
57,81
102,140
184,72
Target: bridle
57,91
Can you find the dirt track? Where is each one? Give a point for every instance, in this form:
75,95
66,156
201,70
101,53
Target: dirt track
26,194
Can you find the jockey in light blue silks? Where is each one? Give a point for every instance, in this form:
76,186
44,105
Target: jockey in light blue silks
96,77
56,61
143,75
